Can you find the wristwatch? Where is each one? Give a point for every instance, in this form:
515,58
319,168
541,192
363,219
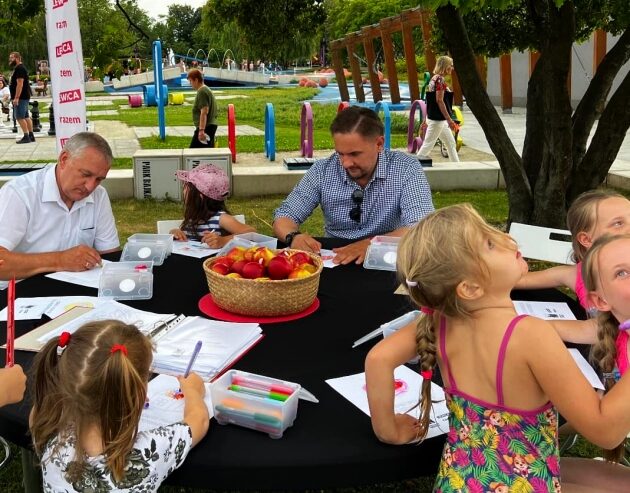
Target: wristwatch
288,239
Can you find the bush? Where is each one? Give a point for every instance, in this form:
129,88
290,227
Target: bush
401,66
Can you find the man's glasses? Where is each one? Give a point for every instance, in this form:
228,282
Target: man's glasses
357,198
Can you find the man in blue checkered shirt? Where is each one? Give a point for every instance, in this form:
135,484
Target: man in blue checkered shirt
363,189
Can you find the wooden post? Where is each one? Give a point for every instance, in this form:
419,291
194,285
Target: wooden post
533,59
429,56
335,48
505,74
351,41
368,47
390,62
599,48
410,56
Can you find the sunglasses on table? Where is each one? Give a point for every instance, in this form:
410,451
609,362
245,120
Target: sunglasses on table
357,198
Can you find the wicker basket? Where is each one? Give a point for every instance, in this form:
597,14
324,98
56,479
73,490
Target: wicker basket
263,298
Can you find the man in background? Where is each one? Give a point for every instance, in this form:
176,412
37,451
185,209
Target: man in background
20,95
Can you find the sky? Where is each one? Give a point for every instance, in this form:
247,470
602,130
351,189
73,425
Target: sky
155,8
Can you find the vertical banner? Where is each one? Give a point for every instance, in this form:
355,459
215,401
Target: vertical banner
65,55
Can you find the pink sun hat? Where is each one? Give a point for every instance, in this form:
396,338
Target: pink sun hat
209,179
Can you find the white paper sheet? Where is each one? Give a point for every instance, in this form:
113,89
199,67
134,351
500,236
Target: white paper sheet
195,249
89,278
587,369
110,310
327,257
59,305
163,409
353,388
27,309
544,309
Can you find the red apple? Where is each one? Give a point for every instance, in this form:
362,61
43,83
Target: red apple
299,258
249,253
224,260
238,266
253,270
279,267
220,268
236,253
265,254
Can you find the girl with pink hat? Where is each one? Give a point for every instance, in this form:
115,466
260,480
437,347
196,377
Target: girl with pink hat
206,217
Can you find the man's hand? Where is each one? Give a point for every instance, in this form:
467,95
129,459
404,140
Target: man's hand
354,251
16,101
305,242
78,258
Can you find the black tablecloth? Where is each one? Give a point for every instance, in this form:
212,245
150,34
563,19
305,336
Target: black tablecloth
331,444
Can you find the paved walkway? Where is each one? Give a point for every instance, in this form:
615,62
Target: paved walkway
124,139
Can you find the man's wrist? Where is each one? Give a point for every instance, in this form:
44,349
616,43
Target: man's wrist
288,239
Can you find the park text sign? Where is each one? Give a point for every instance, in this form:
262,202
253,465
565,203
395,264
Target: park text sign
66,68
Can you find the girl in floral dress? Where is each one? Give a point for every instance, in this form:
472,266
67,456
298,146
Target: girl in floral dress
89,391
504,375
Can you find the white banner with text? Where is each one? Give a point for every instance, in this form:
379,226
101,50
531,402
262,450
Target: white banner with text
65,54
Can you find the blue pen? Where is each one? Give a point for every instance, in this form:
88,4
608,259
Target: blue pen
192,359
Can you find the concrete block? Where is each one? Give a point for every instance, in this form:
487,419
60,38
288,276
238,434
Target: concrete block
119,184
264,180
463,175
94,86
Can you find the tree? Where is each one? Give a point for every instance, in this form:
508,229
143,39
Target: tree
556,164
273,29
177,27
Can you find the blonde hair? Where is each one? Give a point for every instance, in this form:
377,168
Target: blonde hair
582,217
89,385
436,255
604,351
442,64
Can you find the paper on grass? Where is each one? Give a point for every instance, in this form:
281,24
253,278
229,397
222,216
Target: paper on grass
110,310
163,408
195,249
544,309
586,369
353,388
88,278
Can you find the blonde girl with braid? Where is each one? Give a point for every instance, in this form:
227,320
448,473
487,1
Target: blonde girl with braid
89,392
504,374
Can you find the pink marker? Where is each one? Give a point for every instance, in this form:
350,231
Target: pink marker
260,385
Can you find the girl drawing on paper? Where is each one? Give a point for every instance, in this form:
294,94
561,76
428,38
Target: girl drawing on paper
89,392
483,349
206,217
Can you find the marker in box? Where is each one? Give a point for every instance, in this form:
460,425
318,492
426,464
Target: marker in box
261,418
259,393
261,385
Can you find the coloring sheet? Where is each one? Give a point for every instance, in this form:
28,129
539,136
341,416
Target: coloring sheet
546,310
88,278
195,249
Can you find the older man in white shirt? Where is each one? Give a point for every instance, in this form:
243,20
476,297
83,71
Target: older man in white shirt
59,218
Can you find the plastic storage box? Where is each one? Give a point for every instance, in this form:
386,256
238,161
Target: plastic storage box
165,239
254,401
381,253
126,281
144,251
249,240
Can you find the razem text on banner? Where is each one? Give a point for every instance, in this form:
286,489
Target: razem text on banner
65,53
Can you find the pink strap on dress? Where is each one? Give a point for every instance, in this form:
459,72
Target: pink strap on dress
621,344
501,357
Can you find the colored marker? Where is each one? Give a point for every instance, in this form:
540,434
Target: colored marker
259,393
193,357
10,355
238,404
260,385
261,418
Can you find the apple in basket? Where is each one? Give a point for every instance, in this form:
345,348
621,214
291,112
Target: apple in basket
238,266
236,253
265,254
253,270
279,267
300,258
221,268
299,273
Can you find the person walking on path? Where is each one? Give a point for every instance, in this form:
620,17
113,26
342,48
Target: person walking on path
21,95
204,112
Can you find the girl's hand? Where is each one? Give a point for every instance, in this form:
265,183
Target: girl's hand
178,234
193,384
214,240
407,427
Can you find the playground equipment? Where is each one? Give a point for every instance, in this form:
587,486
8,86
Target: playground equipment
270,133
415,142
150,98
159,89
176,98
425,83
306,130
387,121
232,131
135,100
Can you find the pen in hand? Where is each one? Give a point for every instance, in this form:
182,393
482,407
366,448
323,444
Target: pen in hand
193,357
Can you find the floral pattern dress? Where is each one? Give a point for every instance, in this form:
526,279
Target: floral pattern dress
156,454
491,448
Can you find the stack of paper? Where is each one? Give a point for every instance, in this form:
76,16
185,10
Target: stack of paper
223,343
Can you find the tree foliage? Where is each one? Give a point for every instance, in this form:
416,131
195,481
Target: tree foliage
557,162
177,27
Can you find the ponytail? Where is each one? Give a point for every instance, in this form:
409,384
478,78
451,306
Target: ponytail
427,349
604,354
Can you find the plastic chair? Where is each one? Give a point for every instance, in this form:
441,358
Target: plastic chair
549,244
164,226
